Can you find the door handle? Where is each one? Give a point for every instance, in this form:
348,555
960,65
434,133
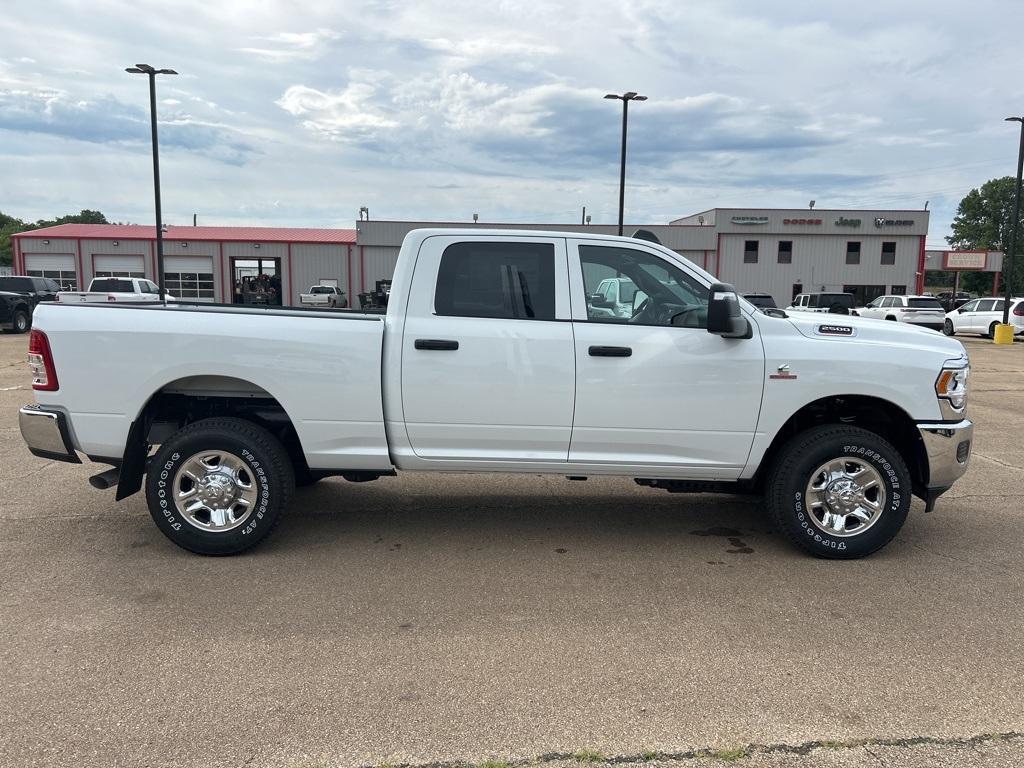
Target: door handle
598,351
436,344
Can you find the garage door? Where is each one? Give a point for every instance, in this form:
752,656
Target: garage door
56,266
189,277
119,266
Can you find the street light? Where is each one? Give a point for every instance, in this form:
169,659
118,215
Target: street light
1014,224
625,99
151,72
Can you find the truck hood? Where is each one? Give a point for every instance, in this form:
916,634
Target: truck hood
868,330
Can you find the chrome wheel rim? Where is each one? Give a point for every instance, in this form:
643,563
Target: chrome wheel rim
214,491
845,496
948,327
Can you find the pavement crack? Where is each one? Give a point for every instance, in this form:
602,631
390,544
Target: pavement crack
738,753
995,460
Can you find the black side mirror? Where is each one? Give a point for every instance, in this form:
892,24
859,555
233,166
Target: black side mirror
598,300
724,315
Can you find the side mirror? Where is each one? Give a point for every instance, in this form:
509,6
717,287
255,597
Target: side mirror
724,315
598,300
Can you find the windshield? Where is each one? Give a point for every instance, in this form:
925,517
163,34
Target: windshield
322,289
924,303
828,299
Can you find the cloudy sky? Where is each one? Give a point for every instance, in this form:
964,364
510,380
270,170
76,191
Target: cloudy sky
299,112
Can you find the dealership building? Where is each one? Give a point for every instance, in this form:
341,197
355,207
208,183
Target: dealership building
777,251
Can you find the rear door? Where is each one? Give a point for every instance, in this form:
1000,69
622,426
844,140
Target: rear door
652,393
488,371
983,315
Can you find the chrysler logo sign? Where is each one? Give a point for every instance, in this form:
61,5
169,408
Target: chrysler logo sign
749,219
881,221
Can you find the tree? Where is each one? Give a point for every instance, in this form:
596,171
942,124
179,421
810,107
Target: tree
983,223
10,225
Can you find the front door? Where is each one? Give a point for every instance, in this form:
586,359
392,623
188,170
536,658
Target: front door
656,389
487,353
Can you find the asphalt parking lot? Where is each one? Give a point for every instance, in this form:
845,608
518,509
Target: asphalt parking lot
445,619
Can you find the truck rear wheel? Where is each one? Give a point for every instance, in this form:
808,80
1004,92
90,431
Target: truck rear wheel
219,486
839,492
20,322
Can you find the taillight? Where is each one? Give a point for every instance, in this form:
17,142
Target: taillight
1019,309
40,362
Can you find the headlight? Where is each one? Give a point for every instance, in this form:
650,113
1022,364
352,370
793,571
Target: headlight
952,386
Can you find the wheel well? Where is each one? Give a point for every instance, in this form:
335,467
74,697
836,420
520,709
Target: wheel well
885,419
187,400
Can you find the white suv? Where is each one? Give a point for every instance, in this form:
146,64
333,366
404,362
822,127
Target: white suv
983,315
922,311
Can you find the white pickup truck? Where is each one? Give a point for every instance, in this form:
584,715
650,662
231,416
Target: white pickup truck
323,296
108,290
491,358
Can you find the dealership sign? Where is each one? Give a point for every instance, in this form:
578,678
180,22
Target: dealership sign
976,260
881,221
842,221
749,219
801,222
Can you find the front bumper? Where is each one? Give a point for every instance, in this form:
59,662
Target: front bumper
46,434
948,447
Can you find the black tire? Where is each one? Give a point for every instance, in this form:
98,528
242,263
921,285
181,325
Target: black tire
890,317
264,464
21,321
991,331
947,328
796,466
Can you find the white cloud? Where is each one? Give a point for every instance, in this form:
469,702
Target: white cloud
292,46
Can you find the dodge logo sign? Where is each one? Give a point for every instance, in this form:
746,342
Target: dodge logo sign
801,222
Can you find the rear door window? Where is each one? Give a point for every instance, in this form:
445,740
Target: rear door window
985,305
514,281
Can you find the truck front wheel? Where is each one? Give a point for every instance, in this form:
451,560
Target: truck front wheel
219,486
839,492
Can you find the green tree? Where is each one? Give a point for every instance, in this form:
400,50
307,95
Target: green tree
10,225
983,221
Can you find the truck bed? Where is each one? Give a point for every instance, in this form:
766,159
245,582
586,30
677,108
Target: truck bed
321,365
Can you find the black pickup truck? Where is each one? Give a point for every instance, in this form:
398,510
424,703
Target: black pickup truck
19,296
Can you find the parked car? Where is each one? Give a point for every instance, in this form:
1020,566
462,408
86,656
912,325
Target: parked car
950,302
323,296
615,297
761,300
484,362
836,303
922,311
983,315
39,288
15,312
108,290
33,290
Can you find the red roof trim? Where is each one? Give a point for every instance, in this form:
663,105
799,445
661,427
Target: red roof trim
194,234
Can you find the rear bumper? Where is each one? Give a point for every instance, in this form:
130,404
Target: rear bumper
948,447
46,434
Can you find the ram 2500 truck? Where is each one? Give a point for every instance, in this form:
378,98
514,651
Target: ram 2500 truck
491,357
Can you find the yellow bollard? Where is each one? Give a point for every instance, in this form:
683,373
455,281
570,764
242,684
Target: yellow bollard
1003,334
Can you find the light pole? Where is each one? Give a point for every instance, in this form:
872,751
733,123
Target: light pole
1014,224
625,99
151,72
